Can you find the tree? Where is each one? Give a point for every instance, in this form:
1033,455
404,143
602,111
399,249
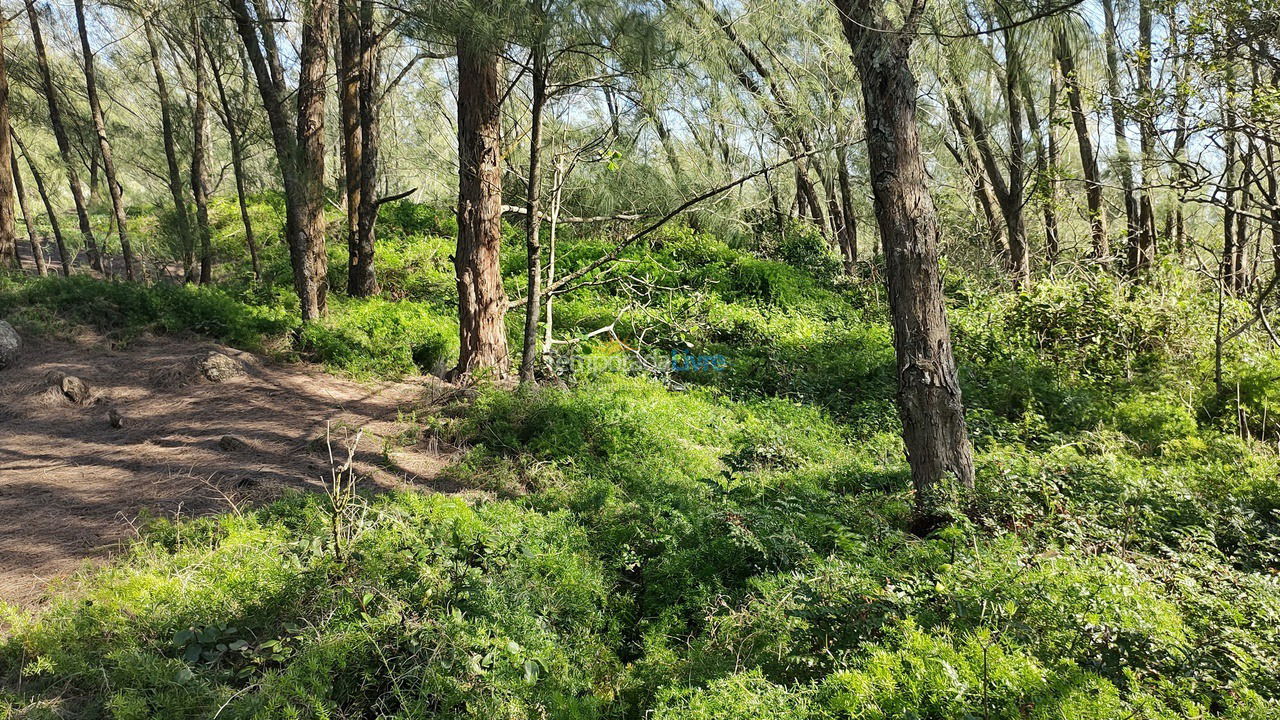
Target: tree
199,152
50,213
929,402
8,231
299,146
482,302
168,136
104,145
60,135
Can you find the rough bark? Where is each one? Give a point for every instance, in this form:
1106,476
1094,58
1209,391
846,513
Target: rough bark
60,135
482,302
299,148
1144,252
8,226
934,433
348,73
366,281
104,146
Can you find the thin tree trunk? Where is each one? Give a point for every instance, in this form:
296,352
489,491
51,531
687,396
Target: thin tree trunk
1045,157
1145,253
348,73
1088,161
364,272
171,154
37,252
229,122
64,143
482,302
538,74
300,150
1012,202
8,177
104,145
937,442
199,149
972,159
1119,124
849,239
63,256
1229,247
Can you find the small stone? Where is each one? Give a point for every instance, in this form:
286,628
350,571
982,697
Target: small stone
75,389
216,367
10,344
115,418
231,443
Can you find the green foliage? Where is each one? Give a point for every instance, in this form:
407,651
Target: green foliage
718,544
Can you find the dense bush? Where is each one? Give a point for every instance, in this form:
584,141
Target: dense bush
715,544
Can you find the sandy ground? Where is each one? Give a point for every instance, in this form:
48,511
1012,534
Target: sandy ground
72,486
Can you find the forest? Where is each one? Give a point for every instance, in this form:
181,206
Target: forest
640,359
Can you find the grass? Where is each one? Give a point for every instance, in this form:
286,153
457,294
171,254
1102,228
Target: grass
735,548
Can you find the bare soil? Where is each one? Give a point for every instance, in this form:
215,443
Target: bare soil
73,486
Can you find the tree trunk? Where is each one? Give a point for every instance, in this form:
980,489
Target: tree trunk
365,282
934,433
1145,253
1046,156
348,73
1119,123
8,176
972,159
1012,202
104,145
229,121
199,149
60,135
1088,161
56,227
849,238
37,251
529,355
482,302
300,150
1229,247
171,154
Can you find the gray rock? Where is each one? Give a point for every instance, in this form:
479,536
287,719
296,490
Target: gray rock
216,367
10,344
231,443
75,389
115,418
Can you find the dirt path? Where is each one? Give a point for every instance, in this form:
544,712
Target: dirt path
72,485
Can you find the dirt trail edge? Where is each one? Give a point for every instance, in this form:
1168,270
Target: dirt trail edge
175,427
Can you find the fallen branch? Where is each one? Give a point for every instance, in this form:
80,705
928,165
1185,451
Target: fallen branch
393,198
518,210
558,288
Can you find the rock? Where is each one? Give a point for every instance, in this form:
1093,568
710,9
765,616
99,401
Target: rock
10,344
216,367
75,389
231,443
115,418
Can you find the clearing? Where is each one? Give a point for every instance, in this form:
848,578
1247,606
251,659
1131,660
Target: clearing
73,485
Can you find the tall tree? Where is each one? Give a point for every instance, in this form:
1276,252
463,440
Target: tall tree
299,146
231,122
482,301
168,136
8,229
1065,55
929,402
50,213
28,220
199,154
60,135
104,147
